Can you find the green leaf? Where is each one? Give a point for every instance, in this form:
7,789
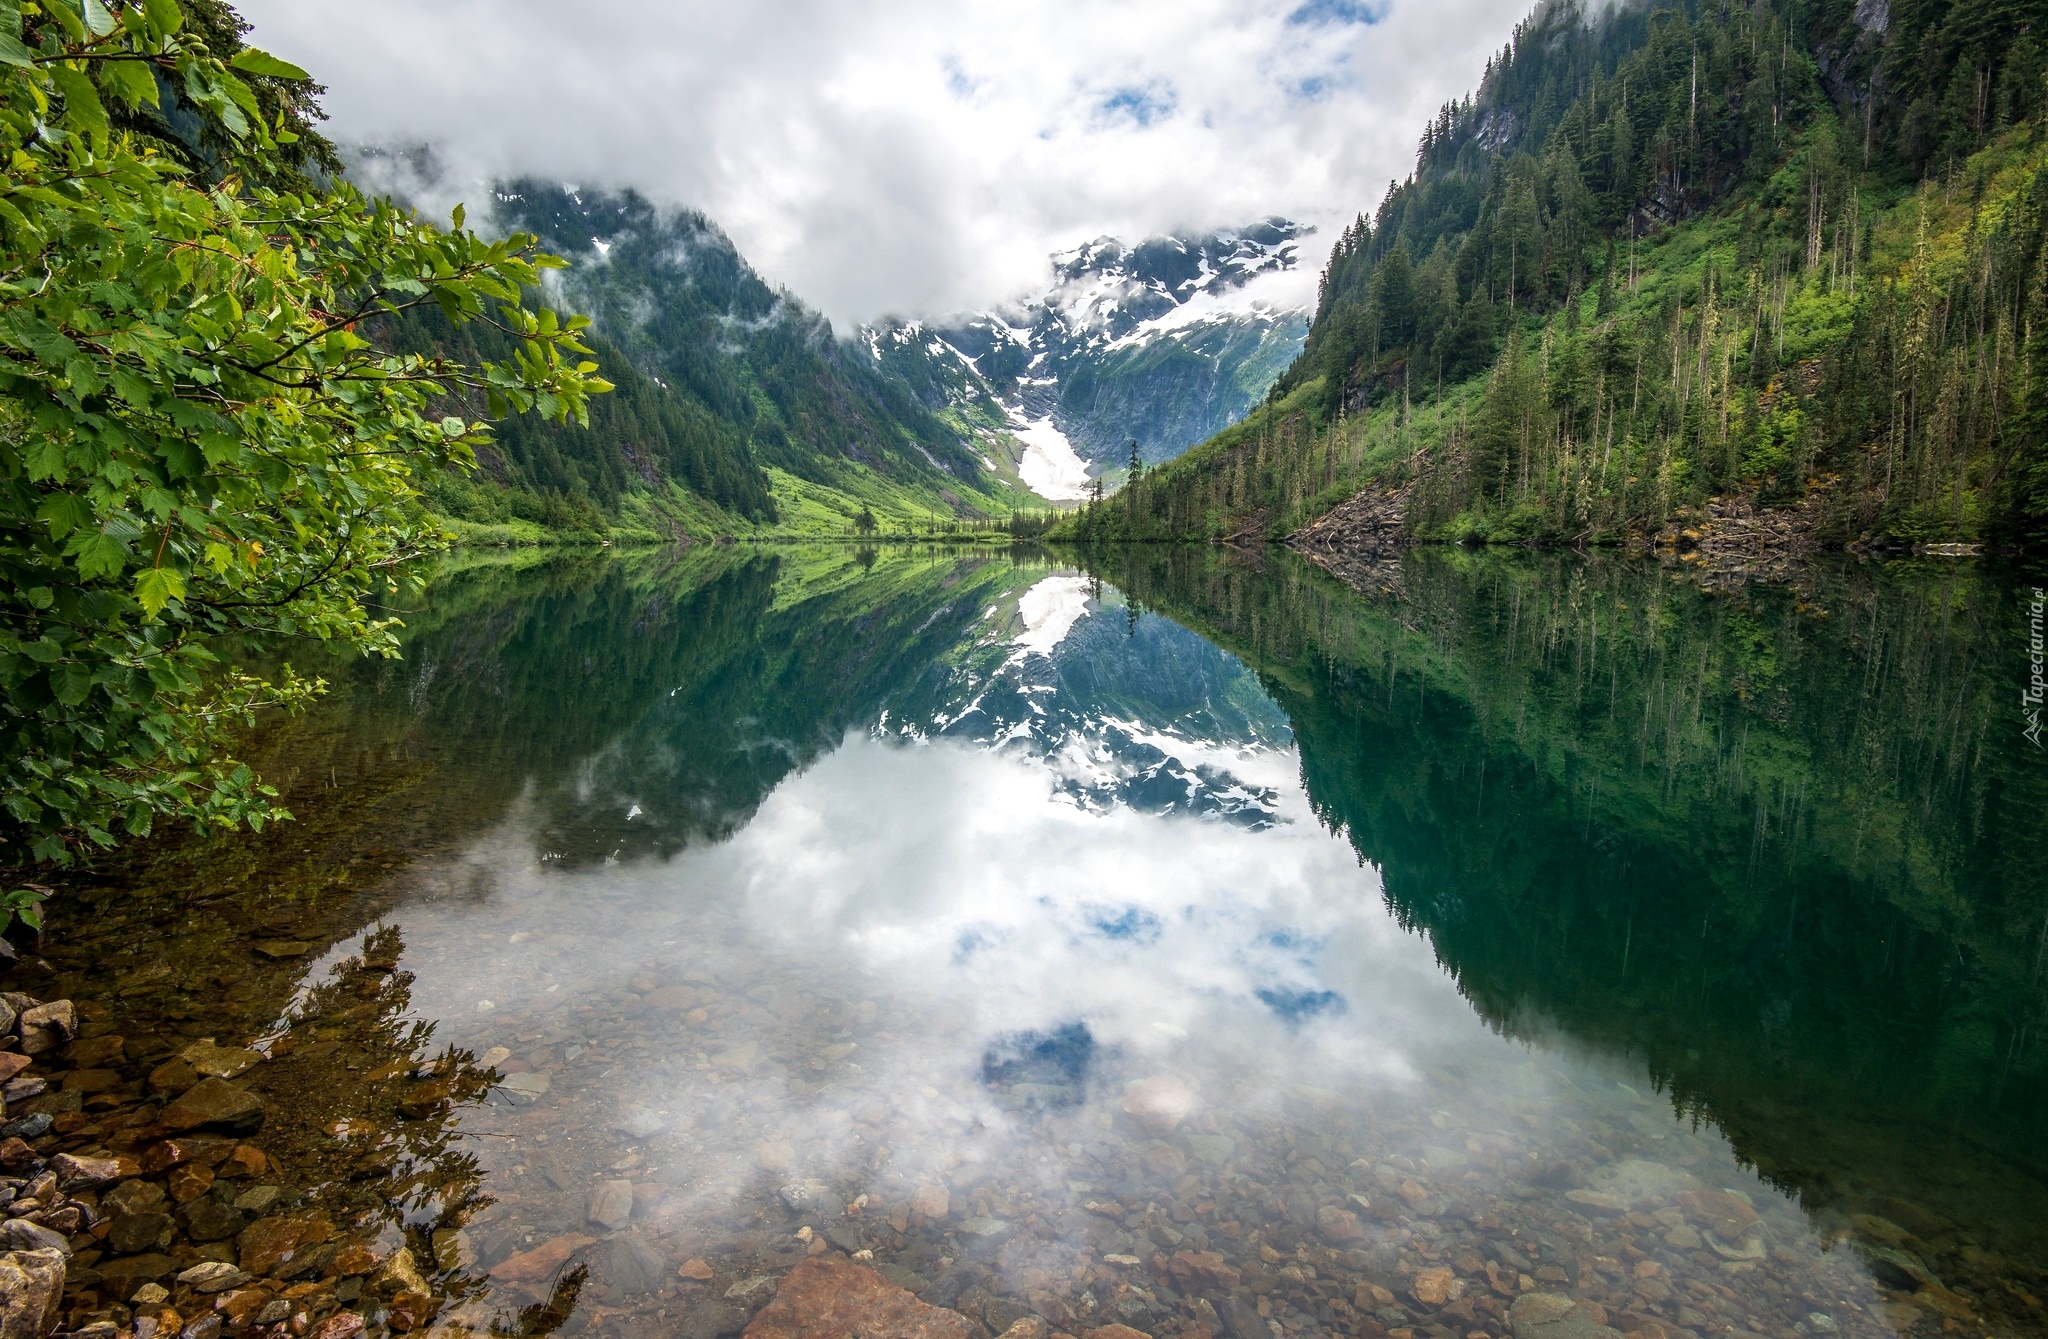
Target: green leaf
129,80
156,587
82,109
64,512
164,15
98,19
252,61
71,683
12,52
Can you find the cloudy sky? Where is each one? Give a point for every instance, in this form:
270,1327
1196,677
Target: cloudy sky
910,157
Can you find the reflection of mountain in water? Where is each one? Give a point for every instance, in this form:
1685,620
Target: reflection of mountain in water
643,708
1125,709
1778,845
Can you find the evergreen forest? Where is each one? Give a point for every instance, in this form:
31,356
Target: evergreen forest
1790,251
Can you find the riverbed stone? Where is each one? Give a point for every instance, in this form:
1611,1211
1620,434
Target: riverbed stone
214,1104
829,1298
19,1234
209,1058
133,1232
126,1274
611,1205
77,1173
133,1196
209,1218
31,1293
1159,1103
1540,1315
542,1261
47,1026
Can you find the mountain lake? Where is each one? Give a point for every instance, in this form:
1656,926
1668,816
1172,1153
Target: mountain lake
1545,944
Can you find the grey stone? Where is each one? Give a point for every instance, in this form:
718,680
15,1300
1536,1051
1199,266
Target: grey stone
611,1205
640,1124
713,1320
523,1089
21,1235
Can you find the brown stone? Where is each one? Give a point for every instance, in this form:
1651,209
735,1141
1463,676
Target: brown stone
237,1305
354,1258
827,1297
47,1026
246,1160
695,1270
189,1180
210,1058
1340,1227
172,1076
15,1154
76,1173
1115,1332
12,1063
1432,1287
410,1310
341,1325
269,1242
1203,1267
31,1293
542,1261
214,1104
93,1052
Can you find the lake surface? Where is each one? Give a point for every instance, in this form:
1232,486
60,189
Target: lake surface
1199,944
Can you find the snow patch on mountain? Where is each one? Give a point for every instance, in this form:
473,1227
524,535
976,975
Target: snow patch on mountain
1050,468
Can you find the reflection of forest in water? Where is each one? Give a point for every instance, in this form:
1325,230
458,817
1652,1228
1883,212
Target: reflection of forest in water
1784,845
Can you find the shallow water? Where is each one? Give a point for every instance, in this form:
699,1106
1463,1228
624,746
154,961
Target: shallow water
1197,946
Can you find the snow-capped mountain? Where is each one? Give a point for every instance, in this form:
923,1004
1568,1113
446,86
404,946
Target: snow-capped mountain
1165,343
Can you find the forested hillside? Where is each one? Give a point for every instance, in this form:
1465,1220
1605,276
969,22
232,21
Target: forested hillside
1790,249
736,407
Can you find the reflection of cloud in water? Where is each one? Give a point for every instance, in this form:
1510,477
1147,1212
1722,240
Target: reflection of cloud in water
923,967
890,860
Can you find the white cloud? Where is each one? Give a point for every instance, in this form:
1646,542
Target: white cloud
911,156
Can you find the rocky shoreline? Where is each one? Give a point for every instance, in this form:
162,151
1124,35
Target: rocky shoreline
1727,541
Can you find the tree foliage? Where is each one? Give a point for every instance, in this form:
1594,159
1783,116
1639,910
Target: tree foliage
198,442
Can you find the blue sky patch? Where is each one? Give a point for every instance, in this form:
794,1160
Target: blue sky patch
1299,1005
1129,923
1142,105
1322,12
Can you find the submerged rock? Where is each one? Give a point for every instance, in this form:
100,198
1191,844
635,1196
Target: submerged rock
214,1104
1555,1316
829,1298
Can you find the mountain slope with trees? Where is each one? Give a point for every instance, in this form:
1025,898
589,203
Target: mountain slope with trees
1674,250
737,408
